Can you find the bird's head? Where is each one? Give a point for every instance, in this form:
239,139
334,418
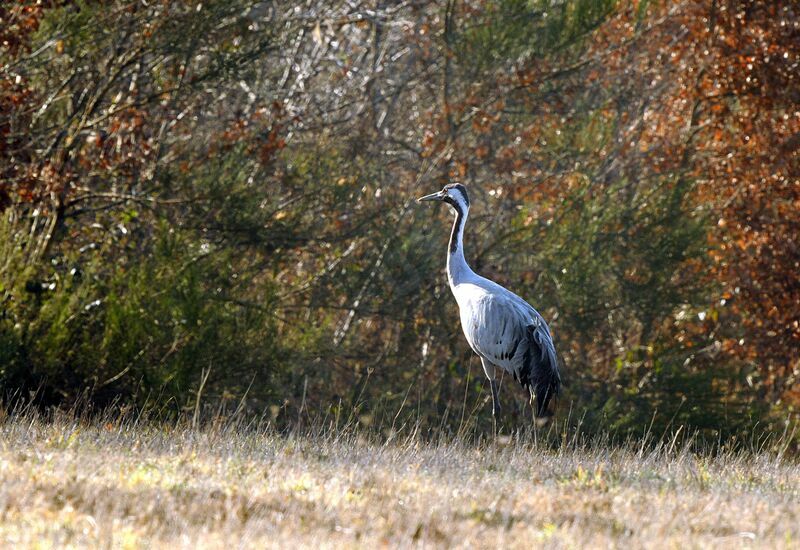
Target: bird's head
453,194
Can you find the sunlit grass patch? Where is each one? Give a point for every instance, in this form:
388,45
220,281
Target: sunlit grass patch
65,482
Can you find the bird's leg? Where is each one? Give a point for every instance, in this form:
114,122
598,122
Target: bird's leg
491,373
538,421
495,399
495,407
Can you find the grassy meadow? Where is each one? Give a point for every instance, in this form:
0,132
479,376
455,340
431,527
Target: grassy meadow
68,482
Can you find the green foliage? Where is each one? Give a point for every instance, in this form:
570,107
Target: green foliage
149,326
665,386
510,29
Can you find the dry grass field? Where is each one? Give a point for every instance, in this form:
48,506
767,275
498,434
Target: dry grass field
74,483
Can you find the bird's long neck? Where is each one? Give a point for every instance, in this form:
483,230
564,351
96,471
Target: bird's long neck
457,268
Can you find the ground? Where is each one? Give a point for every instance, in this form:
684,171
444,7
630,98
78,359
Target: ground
67,482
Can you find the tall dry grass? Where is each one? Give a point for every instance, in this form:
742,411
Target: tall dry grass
130,482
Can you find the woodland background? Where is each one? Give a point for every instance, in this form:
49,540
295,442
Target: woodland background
214,200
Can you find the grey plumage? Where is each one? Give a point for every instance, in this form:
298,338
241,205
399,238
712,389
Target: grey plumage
503,329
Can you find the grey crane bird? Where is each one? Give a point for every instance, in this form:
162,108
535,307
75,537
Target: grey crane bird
502,328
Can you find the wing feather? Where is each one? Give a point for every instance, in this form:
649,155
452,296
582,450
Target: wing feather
508,332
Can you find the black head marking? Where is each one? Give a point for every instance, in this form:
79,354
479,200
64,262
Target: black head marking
460,188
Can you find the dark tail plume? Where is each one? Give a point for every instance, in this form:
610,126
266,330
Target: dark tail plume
541,368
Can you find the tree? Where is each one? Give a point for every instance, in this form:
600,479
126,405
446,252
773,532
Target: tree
228,187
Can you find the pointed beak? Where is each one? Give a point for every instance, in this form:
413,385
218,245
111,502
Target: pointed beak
432,197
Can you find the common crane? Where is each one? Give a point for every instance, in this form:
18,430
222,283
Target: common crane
500,327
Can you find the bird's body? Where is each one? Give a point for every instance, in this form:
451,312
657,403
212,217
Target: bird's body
501,328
